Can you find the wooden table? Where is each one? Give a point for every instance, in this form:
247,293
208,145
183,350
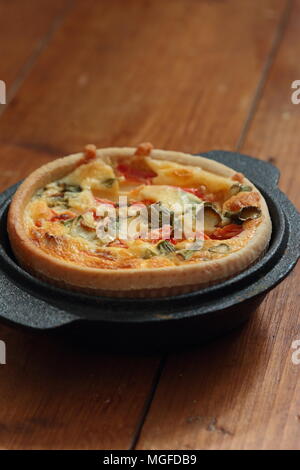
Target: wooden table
189,75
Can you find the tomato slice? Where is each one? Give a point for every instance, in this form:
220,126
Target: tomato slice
94,212
118,243
135,174
229,231
144,202
202,236
194,191
63,216
105,201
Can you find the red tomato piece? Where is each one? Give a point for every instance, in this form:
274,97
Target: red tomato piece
63,216
194,191
144,202
229,231
202,236
105,201
118,243
135,174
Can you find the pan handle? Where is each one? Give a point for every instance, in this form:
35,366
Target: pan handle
8,192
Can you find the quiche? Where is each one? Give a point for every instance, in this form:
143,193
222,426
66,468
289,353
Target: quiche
110,222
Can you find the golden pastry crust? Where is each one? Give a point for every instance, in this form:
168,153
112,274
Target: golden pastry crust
128,276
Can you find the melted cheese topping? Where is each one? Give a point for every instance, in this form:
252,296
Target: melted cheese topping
187,176
62,217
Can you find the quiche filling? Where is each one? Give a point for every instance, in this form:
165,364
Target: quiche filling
64,220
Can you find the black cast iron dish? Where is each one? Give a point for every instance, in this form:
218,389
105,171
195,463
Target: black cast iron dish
184,319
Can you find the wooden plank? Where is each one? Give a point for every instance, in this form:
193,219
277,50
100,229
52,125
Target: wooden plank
240,392
178,73
24,31
56,395
243,392
274,134
117,73
52,394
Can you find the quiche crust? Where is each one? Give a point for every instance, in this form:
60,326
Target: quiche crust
131,282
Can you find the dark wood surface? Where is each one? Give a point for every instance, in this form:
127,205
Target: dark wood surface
189,75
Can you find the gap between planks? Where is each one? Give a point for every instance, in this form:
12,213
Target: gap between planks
25,72
148,401
265,73
39,49
278,37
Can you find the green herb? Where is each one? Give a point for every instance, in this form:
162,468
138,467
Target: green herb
57,201
69,188
236,188
73,221
212,218
246,188
246,213
108,183
249,213
148,253
230,215
158,214
185,254
62,198
39,192
68,221
165,247
73,188
221,248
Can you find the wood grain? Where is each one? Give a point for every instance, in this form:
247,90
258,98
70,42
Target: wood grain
58,395
184,75
54,395
179,73
244,392
25,29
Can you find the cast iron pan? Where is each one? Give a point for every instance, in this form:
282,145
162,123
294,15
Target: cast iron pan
184,319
